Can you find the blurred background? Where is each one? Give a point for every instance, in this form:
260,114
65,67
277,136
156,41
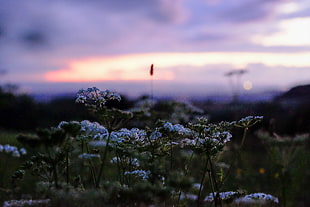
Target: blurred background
198,47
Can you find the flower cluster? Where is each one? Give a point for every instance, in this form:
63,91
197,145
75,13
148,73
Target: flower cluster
178,128
139,173
222,195
12,203
134,162
87,156
211,143
94,98
93,130
13,150
132,136
248,121
257,198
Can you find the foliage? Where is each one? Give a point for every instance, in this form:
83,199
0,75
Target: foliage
137,157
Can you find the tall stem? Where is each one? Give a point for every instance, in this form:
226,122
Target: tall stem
201,183
244,136
213,180
103,162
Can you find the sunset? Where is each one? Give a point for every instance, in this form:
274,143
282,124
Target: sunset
65,42
155,103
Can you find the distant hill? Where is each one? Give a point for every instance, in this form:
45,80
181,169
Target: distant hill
298,93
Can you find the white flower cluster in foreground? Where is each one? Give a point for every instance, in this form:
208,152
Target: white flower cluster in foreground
15,152
257,198
12,203
253,198
223,196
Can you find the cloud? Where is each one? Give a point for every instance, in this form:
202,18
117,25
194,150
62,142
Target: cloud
170,66
40,36
293,32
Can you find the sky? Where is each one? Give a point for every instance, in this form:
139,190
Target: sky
65,45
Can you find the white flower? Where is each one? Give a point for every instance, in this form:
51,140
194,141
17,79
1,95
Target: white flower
88,156
12,203
23,151
180,129
155,135
222,195
139,173
94,130
93,97
257,198
13,150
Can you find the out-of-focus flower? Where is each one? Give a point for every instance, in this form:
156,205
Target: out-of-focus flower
14,151
88,156
257,198
12,203
222,195
94,98
139,173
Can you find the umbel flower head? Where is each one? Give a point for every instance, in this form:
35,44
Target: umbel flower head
94,98
14,151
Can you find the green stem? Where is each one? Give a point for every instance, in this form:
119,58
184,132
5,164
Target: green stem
186,172
55,175
201,183
213,179
103,162
92,169
244,136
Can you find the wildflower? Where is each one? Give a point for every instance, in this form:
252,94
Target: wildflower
187,142
93,130
134,162
132,136
178,128
139,173
88,156
248,121
152,70
94,98
23,151
155,135
31,202
115,160
257,198
14,151
188,196
196,185
222,195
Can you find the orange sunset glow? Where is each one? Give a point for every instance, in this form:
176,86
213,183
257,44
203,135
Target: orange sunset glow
135,67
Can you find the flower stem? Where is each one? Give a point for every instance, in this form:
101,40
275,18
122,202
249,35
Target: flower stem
244,136
103,162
